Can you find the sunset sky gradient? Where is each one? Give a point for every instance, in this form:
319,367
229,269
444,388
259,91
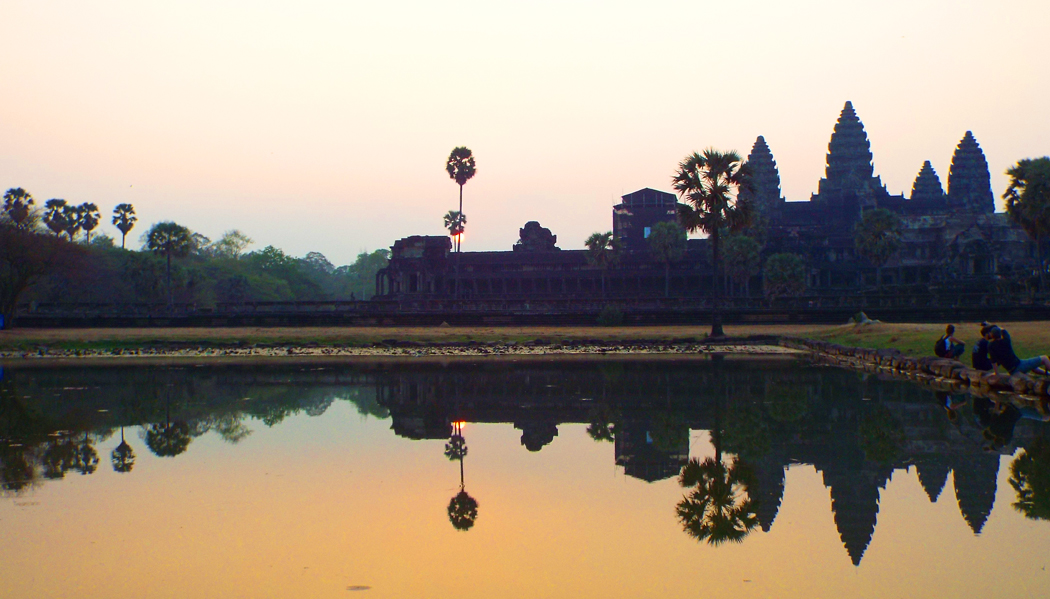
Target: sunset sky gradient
324,126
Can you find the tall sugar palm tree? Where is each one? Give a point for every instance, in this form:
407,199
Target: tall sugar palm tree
89,218
710,184
17,204
603,252
172,240
455,222
461,167
124,218
55,215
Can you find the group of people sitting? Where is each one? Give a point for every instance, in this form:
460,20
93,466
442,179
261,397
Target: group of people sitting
993,350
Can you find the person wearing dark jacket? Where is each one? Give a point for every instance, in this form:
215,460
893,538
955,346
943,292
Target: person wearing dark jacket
1001,352
979,357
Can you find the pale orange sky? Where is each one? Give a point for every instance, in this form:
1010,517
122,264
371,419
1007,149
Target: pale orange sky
325,125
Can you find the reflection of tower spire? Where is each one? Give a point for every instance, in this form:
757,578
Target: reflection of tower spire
855,504
976,479
768,491
933,473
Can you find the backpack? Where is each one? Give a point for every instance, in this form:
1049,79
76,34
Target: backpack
940,349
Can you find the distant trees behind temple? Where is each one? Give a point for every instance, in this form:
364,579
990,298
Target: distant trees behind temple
176,264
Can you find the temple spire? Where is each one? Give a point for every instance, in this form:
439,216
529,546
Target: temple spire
849,153
969,183
927,186
765,177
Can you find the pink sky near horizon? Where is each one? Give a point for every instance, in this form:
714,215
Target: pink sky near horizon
324,126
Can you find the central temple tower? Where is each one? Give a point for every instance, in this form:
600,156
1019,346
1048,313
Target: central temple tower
849,185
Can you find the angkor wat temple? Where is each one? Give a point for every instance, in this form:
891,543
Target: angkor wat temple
951,239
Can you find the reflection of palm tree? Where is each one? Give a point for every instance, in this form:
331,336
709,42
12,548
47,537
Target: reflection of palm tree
462,509
1030,478
85,460
123,457
720,507
59,458
168,439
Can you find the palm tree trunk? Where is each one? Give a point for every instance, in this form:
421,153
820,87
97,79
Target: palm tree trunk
461,216
171,300
123,236
667,279
716,313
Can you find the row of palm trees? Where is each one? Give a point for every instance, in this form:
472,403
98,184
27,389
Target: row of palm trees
62,218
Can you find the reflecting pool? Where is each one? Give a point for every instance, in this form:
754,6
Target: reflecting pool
598,477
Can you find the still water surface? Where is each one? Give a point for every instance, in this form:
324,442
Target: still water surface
513,478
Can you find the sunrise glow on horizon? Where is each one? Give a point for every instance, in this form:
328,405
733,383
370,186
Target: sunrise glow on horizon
324,126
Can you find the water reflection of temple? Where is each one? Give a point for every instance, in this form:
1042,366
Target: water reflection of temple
772,414
655,412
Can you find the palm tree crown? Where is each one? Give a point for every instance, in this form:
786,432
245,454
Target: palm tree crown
124,218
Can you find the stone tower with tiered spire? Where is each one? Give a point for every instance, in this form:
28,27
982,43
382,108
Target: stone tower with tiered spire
927,187
969,183
849,168
849,185
765,178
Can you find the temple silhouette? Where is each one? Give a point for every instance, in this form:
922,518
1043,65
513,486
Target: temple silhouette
949,237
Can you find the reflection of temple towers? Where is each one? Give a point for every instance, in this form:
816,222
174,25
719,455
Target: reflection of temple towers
976,479
855,504
768,490
642,457
933,473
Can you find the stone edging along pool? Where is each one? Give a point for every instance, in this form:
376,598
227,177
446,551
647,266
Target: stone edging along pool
941,374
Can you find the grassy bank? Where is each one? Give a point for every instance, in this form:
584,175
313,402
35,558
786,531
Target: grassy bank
1030,338
107,339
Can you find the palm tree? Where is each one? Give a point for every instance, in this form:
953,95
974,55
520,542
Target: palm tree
74,219
603,252
1028,203
710,185
454,222
667,244
55,215
460,167
89,218
124,218
17,204
123,456
171,240
878,237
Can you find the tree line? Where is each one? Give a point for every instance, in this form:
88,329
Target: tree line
53,253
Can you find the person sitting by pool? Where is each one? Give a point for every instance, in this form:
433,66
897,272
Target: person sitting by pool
1001,352
979,357
948,346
